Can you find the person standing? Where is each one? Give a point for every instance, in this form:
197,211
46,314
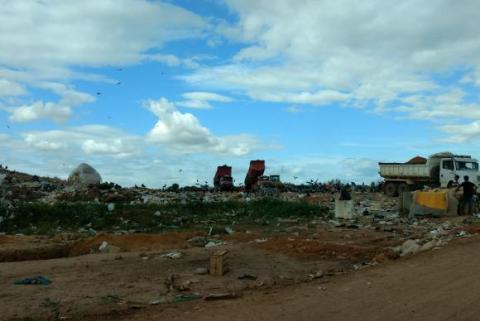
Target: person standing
468,198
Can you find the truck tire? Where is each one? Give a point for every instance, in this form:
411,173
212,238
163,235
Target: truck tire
390,189
403,187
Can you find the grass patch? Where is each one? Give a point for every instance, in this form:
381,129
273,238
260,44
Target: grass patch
37,218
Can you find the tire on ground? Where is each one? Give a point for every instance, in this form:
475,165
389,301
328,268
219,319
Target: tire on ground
391,189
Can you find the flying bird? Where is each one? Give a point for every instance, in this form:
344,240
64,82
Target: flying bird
98,93
118,83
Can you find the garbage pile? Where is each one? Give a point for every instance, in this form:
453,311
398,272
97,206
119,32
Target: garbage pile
370,210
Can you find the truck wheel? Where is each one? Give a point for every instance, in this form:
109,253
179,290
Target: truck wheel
390,189
403,187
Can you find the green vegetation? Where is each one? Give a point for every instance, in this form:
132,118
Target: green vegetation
37,218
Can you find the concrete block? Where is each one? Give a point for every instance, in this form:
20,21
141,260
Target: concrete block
344,209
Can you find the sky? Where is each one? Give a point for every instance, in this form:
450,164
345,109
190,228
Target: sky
160,92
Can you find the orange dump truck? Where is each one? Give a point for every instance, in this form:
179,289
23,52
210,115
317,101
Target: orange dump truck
255,171
223,180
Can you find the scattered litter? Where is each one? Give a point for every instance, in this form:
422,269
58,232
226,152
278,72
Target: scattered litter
173,255
186,297
430,245
200,241
107,248
158,301
408,247
37,280
229,230
261,240
462,234
317,275
110,207
213,243
220,296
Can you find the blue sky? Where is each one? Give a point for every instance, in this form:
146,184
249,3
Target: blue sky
158,92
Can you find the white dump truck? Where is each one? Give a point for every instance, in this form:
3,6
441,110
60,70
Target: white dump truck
438,170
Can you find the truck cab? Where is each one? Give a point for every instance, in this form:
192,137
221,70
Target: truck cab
458,166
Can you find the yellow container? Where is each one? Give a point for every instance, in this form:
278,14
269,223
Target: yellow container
435,200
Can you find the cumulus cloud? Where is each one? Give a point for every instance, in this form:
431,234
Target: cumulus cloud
88,33
58,111
201,99
92,140
48,40
183,132
448,105
38,110
380,55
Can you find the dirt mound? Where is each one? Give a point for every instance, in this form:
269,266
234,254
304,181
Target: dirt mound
306,248
25,248
134,242
31,254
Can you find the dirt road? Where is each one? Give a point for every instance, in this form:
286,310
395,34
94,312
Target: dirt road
438,285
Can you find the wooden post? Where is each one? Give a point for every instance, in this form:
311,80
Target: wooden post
219,263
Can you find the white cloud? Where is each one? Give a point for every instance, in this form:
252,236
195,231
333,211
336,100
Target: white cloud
369,54
321,97
170,60
461,133
45,41
202,99
447,106
183,132
38,110
92,140
10,88
88,33
58,111
44,143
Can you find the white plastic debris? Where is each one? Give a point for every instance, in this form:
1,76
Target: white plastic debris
107,248
213,243
408,247
173,255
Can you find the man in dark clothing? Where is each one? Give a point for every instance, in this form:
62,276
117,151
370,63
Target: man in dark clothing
468,198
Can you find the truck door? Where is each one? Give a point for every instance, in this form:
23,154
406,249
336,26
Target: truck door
447,172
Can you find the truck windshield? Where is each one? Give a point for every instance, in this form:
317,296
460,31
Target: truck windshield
467,166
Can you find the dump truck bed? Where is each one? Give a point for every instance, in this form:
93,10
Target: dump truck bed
402,170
